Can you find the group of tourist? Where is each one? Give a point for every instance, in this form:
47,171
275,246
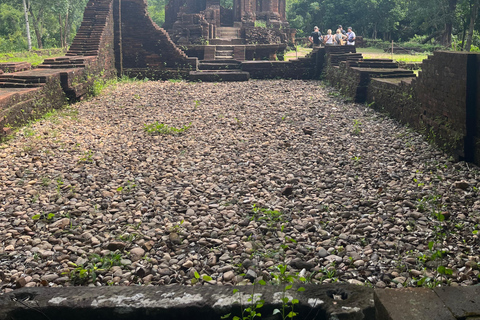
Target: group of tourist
341,37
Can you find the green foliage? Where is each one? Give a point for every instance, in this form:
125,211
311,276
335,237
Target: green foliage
156,9
99,85
286,280
53,23
44,217
161,128
429,23
260,24
270,217
82,274
86,157
357,127
199,279
128,187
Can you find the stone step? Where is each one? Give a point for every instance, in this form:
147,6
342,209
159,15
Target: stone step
372,64
224,48
60,66
227,42
21,80
218,66
223,53
218,76
20,85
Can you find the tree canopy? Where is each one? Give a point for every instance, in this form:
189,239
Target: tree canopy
452,23
444,21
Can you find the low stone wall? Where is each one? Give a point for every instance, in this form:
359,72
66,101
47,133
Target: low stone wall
442,102
327,301
406,108
18,106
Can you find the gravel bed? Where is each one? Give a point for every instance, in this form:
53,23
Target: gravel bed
268,173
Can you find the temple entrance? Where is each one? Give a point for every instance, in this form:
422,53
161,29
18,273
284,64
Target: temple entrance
226,13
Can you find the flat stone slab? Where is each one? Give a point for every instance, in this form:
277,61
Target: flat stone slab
410,304
463,302
15,66
182,302
217,76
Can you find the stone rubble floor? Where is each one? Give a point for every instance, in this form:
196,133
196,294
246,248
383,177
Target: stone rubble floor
89,197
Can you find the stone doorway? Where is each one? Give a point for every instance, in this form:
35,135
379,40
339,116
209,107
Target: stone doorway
226,13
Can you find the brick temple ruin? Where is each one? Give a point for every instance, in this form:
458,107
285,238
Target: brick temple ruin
209,31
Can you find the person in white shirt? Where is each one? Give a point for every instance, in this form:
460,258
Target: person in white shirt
329,38
350,37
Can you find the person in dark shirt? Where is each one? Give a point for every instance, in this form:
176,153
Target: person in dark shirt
315,37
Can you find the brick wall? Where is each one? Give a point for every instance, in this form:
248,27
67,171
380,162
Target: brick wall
441,91
442,102
147,48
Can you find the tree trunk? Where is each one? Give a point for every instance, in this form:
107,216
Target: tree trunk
29,39
473,19
430,37
447,34
60,23
36,27
66,32
464,34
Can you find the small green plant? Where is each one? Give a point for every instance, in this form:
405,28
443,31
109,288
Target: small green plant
60,184
99,85
286,280
271,217
28,132
161,128
86,157
357,127
177,227
95,264
44,217
45,181
129,186
197,104
254,303
197,278
356,159
129,237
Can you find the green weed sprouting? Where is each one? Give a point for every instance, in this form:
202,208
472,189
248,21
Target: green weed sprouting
82,274
357,127
161,128
86,157
45,217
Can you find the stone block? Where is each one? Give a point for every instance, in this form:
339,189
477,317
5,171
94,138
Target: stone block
410,304
463,302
